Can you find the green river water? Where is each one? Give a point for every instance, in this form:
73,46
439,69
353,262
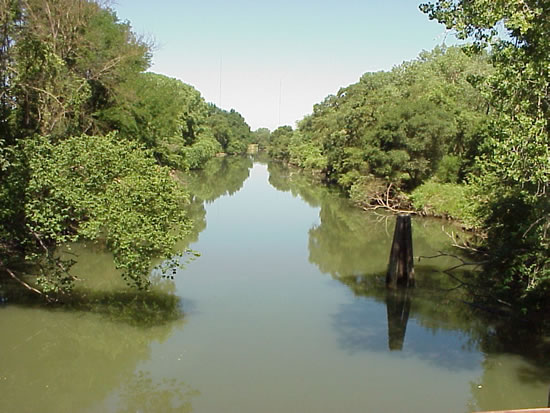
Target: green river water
285,311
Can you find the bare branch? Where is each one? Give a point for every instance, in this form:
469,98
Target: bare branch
23,283
535,223
463,245
384,201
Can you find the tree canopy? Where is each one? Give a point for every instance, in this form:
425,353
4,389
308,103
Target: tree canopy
467,123
422,119
89,142
514,163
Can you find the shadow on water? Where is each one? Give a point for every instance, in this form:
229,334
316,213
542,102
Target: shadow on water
121,305
72,357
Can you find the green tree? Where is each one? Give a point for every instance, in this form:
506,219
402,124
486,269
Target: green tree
514,165
69,58
167,116
261,137
280,142
65,65
229,129
98,188
424,118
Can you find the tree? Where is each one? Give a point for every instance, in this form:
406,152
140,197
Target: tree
230,129
101,188
65,64
167,116
280,141
261,137
419,120
514,165
69,56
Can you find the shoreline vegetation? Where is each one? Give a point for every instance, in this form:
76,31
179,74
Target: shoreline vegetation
448,134
432,199
90,143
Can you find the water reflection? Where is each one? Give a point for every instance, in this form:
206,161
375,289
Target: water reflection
268,329
431,322
220,176
398,306
353,247
65,361
71,357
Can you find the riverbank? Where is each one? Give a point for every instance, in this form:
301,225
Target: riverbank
451,202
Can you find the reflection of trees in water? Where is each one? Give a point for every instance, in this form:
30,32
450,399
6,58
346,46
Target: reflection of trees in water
497,388
515,353
62,359
71,356
220,176
289,179
143,394
433,321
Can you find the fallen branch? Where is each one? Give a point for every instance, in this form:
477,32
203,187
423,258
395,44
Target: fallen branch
383,201
23,283
463,245
463,262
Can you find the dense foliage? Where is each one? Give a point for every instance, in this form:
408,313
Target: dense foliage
514,165
460,132
86,142
422,120
229,129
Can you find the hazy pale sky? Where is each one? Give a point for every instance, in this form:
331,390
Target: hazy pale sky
272,61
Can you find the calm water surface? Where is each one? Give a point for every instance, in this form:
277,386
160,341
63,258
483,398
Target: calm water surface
285,311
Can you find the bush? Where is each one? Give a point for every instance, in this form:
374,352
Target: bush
448,200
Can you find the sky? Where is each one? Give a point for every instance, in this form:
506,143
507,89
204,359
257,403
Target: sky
272,61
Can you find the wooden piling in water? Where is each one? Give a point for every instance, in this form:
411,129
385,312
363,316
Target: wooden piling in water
401,265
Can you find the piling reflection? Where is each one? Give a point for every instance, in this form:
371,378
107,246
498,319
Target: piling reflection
353,247
398,306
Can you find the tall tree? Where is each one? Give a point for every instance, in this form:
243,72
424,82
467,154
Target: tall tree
64,64
70,57
515,163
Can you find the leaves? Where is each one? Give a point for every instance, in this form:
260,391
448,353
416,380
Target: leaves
396,125
105,189
514,162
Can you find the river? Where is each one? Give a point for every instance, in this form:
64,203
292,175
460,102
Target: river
284,311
